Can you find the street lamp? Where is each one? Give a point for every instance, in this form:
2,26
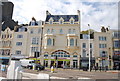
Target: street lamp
89,48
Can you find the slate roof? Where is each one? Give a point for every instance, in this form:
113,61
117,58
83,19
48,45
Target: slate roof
65,17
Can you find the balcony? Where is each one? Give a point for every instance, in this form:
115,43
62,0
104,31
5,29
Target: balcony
71,35
49,35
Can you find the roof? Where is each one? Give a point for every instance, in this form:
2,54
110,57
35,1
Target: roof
65,17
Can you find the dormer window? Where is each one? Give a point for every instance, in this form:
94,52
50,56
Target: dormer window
51,20
71,20
32,23
61,20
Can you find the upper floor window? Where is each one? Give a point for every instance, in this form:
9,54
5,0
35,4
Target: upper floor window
69,31
71,21
71,42
18,52
61,22
117,44
84,45
19,36
102,45
116,34
91,45
84,53
52,31
49,42
73,31
48,31
103,53
22,29
18,43
31,31
61,31
39,30
35,40
32,23
101,38
51,22
34,49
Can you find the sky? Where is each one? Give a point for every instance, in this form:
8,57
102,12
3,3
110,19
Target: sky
97,13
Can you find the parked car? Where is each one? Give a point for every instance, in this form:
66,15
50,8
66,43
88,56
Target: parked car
26,62
40,67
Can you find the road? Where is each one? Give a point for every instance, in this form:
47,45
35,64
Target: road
75,74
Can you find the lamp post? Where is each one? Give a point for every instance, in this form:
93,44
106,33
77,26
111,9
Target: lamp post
89,48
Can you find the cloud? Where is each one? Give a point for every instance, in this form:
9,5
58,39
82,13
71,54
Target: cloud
94,12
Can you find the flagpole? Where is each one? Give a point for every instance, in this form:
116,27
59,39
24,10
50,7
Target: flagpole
89,48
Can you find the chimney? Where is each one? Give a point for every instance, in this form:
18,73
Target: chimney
47,13
78,11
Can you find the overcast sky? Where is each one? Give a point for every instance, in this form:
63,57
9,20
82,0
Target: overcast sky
97,13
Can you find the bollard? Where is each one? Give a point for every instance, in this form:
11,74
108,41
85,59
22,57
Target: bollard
52,69
34,67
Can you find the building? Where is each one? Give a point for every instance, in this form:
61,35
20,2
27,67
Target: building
103,49
87,46
116,49
61,41
27,39
6,40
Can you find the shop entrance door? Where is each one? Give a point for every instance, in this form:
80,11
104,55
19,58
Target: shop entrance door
74,63
60,64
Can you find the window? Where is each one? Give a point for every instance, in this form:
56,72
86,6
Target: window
50,22
45,55
35,40
67,42
39,30
53,42
32,23
31,31
102,45
71,22
74,55
22,29
19,36
61,31
84,45
101,38
61,22
18,43
18,52
52,31
60,54
71,42
34,49
73,31
84,53
49,42
103,53
116,34
48,31
117,44
76,42
69,31
91,45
